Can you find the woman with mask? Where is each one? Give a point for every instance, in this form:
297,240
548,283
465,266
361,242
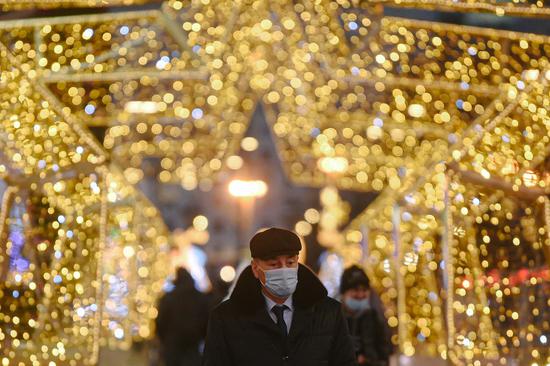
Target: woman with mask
278,313
366,322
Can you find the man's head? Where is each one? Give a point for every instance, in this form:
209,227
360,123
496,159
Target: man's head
355,289
275,260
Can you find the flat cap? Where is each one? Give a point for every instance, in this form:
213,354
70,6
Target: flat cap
273,242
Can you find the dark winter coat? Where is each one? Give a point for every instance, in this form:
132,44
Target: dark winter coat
181,323
241,332
370,337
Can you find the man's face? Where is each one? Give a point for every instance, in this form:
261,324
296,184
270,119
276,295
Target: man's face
358,293
259,266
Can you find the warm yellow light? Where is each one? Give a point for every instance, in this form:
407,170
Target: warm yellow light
333,164
128,251
200,223
510,167
416,110
227,273
234,162
141,107
303,228
243,188
249,144
312,216
374,132
531,74
530,178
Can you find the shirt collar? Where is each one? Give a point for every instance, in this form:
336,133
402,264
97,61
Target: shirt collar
270,303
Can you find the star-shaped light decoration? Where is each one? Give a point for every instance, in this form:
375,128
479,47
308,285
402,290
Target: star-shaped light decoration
66,219
390,96
500,166
358,97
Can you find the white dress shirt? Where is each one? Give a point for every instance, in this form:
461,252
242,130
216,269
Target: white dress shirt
287,315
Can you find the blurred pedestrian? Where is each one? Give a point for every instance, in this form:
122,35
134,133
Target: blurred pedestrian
181,323
366,322
218,292
278,314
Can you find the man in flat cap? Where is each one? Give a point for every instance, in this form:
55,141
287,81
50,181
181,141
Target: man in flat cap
278,314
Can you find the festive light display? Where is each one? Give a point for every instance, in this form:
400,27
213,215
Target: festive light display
73,241
7,5
335,213
480,225
365,103
500,8
134,260
80,269
392,98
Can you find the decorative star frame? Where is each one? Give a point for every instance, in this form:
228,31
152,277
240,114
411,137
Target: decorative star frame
449,216
393,97
66,219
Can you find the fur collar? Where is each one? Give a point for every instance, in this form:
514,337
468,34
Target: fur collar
247,294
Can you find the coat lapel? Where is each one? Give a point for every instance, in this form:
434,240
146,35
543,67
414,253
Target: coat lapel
301,321
261,318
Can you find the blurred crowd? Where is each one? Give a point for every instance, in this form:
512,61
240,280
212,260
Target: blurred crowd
181,325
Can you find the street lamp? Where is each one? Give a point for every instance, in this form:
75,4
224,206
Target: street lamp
246,191
247,188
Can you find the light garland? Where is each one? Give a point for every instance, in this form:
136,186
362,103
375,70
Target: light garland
391,97
195,126
487,192
500,8
54,275
9,5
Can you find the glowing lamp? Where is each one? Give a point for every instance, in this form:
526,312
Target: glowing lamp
243,188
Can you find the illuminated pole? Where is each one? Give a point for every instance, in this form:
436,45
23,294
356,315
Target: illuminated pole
246,192
334,210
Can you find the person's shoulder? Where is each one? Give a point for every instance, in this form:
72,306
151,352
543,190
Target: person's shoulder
328,309
333,303
329,304
225,309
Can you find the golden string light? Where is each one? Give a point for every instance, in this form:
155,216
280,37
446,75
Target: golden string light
9,5
486,206
56,282
73,309
184,123
539,8
500,8
340,81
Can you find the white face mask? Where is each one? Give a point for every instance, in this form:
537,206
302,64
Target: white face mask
357,305
281,282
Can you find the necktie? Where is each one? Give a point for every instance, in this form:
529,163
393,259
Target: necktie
279,310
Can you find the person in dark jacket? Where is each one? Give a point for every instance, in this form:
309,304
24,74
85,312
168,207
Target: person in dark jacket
278,314
181,323
366,322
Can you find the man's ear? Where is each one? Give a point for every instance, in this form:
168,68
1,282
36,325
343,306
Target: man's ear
255,269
